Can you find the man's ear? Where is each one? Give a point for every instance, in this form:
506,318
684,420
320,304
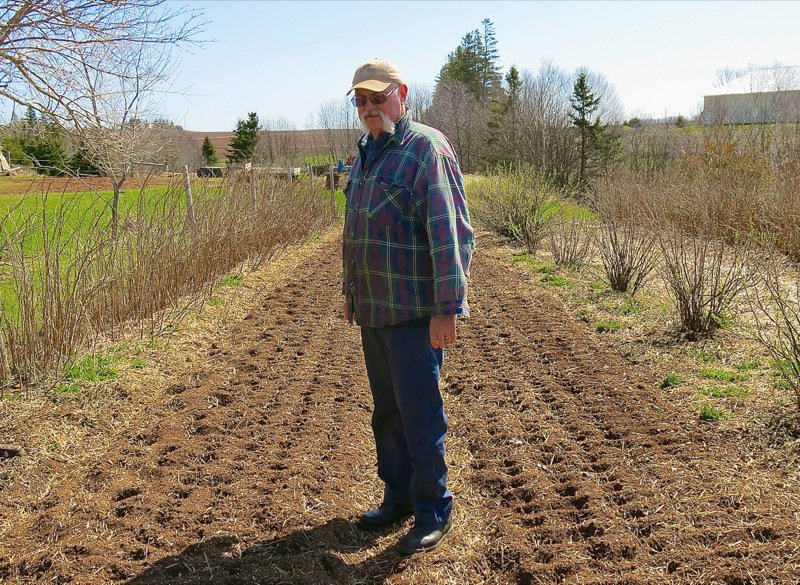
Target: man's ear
403,91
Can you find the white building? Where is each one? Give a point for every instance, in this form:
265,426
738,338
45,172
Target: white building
759,96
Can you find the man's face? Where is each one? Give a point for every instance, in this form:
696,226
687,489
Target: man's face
392,107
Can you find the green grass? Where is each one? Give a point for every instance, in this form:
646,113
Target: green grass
94,369
138,363
217,302
547,269
709,413
87,370
571,210
66,388
608,326
701,355
156,343
79,211
781,383
22,218
538,266
748,365
556,280
340,199
782,372
721,375
12,396
598,286
671,380
630,307
780,366
723,391
319,159
231,280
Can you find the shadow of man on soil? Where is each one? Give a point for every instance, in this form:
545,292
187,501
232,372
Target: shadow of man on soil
303,557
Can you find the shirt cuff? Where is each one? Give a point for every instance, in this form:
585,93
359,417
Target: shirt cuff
449,308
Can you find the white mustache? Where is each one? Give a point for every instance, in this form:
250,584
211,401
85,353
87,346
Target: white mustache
388,125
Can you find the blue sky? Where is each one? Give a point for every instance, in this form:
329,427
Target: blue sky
283,59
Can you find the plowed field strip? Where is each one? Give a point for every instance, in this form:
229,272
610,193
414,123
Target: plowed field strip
594,476
567,466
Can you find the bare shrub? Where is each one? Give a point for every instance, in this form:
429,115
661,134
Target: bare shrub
517,204
628,253
71,279
626,242
775,303
43,314
571,240
704,276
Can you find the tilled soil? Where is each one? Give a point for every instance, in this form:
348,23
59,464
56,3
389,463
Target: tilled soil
567,465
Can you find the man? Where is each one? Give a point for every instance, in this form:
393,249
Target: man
406,254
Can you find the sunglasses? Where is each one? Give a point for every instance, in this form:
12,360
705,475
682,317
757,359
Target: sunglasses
376,98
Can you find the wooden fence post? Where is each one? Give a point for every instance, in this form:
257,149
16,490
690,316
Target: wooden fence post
189,203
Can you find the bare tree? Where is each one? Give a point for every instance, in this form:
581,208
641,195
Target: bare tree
610,108
457,112
48,48
285,139
420,100
339,121
546,134
94,67
114,127
179,148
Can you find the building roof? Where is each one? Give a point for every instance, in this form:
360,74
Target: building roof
762,80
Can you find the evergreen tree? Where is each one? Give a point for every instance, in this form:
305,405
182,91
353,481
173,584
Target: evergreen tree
474,63
80,163
47,154
245,135
208,152
490,70
30,118
514,83
36,141
598,147
584,104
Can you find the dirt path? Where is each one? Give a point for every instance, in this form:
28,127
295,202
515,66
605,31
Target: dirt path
567,465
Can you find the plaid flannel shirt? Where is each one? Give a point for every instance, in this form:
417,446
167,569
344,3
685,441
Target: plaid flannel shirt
407,237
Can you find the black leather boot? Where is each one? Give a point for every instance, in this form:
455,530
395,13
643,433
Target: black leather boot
384,515
424,537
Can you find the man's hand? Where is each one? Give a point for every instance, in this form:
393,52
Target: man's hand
443,331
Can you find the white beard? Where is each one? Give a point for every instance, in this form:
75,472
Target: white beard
388,125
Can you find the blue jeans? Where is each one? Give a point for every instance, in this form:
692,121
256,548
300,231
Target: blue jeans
408,418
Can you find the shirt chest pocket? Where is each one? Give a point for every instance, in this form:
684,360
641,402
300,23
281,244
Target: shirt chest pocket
390,204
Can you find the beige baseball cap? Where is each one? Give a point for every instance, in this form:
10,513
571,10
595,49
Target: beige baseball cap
376,75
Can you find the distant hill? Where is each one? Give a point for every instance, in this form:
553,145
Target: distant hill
304,142
220,140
